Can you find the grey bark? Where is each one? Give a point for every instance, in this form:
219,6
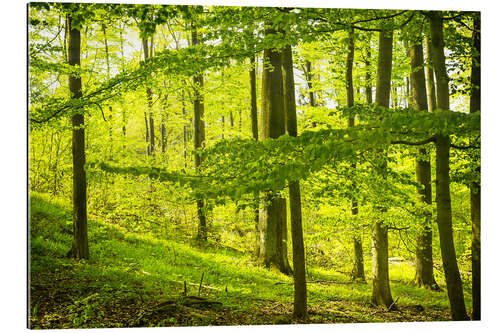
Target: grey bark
443,198
475,188
429,73
122,50
271,223
368,78
299,270
199,138
150,128
255,135
108,75
424,274
309,77
358,270
381,293
80,247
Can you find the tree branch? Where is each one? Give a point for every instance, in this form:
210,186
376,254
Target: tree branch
464,147
414,143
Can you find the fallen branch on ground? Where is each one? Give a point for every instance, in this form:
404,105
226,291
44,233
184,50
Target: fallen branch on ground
197,285
388,309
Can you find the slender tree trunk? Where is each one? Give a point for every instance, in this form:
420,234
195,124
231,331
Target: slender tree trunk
475,188
108,76
239,122
309,77
475,205
348,74
424,274
65,41
299,266
151,149
282,218
443,199
150,107
381,293
147,132
150,129
429,73
122,50
184,129
80,247
146,53
255,135
199,138
358,271
368,77
163,128
223,125
273,125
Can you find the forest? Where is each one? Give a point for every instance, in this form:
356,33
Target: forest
196,165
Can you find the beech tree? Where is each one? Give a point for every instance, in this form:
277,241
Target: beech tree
381,293
443,201
199,137
255,135
299,271
80,248
475,187
424,275
273,215
358,270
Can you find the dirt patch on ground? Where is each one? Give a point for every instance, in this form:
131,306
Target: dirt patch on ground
57,303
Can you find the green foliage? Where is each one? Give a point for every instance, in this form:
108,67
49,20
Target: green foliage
142,207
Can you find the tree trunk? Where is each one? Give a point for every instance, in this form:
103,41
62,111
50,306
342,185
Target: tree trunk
273,126
424,274
475,206
124,118
163,128
309,77
429,73
368,78
184,129
163,137
475,188
108,76
381,293
358,271
282,218
231,120
199,138
80,247
443,200
150,128
299,266
255,135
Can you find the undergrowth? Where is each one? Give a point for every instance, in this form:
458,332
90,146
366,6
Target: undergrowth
145,279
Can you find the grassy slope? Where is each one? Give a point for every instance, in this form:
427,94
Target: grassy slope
137,279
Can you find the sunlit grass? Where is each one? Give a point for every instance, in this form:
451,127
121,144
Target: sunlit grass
131,262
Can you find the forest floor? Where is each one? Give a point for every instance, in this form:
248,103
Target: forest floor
136,279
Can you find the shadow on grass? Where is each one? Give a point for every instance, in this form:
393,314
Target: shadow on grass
131,276
128,273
